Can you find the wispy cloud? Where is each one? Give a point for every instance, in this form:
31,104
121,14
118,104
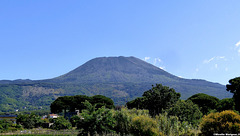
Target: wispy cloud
209,60
214,58
157,60
146,58
237,47
237,44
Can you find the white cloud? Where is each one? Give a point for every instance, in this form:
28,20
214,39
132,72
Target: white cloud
163,68
146,58
221,57
237,47
237,44
214,58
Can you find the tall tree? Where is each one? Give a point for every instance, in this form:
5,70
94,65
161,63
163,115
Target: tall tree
60,104
234,87
159,98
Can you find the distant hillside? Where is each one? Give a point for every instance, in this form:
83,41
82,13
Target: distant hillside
120,78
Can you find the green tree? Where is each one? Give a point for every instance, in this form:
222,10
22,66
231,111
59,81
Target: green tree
29,121
61,104
160,98
101,100
186,111
226,104
234,87
95,121
71,103
205,102
77,102
61,123
137,103
74,120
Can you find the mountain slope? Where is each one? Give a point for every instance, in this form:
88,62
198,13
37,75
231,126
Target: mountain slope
120,78
115,70
131,70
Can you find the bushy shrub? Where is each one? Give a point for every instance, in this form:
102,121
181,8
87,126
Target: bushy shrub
123,121
29,121
144,125
223,122
171,126
95,121
74,120
4,125
61,123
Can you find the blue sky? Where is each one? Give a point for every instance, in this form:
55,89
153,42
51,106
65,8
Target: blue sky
192,39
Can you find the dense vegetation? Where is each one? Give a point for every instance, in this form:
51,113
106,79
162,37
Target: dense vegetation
159,112
71,103
223,122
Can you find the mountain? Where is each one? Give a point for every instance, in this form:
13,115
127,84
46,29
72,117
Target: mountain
115,70
120,78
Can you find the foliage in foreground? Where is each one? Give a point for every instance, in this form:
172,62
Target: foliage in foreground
186,111
139,122
223,122
61,123
95,121
29,121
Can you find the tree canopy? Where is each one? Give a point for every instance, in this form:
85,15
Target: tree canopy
226,104
186,111
156,99
71,103
205,102
136,103
159,98
234,87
